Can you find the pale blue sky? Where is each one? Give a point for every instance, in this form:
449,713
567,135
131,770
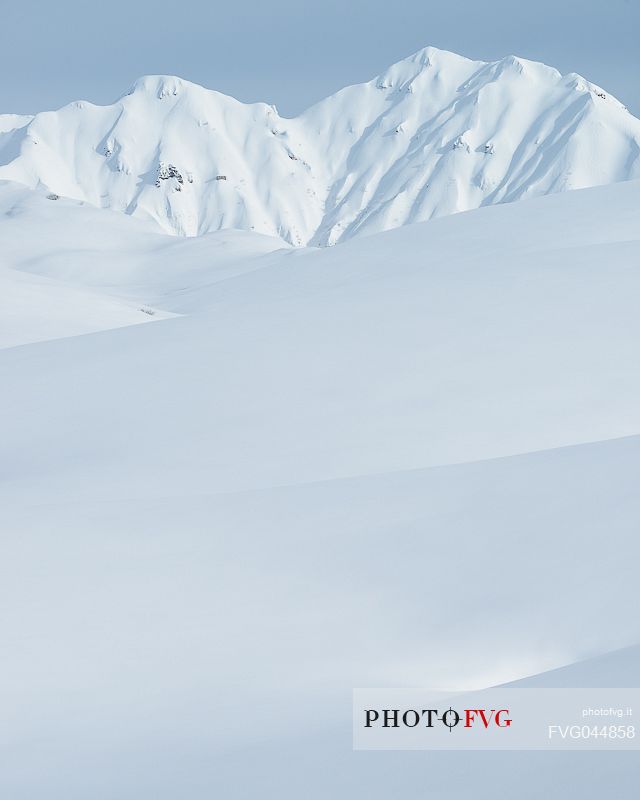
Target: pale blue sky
294,53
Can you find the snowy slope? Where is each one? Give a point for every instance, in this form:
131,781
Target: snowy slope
470,337
68,268
499,331
318,476
226,631
35,304
434,134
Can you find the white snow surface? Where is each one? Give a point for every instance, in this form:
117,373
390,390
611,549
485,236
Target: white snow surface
434,134
67,268
410,460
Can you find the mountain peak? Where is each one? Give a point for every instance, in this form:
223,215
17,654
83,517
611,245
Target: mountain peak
158,85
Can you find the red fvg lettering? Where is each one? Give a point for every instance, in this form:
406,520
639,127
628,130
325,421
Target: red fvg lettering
471,714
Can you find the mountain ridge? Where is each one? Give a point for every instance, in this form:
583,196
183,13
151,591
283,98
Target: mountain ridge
434,134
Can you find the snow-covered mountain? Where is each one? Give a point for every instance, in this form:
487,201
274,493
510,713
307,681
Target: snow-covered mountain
434,134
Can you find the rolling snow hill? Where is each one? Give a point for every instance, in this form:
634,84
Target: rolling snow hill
434,134
495,332
67,268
